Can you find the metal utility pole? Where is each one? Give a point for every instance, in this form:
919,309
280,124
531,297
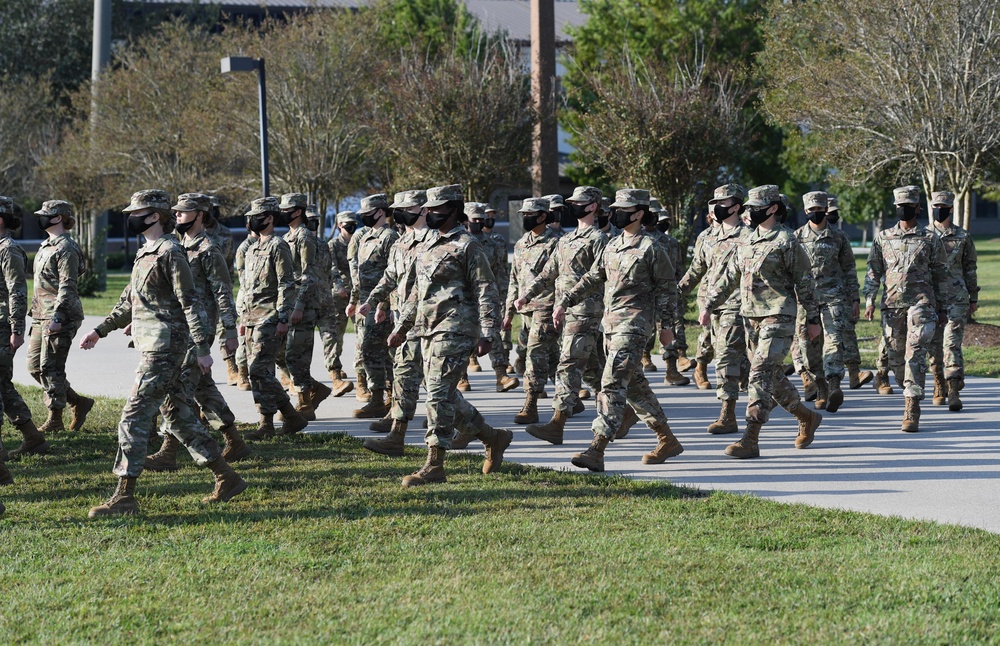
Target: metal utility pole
247,64
100,56
545,137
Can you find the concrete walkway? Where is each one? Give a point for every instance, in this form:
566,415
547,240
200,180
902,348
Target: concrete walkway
949,472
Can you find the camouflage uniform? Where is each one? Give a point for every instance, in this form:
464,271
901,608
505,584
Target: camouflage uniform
913,264
575,253
13,309
962,291
676,256
852,355
166,315
367,268
295,356
496,252
58,264
502,274
705,348
239,263
333,326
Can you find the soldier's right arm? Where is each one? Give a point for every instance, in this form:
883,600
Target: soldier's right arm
545,281
875,273
120,316
352,259
512,290
697,270
502,273
588,283
17,288
387,284
283,269
221,282
726,285
970,269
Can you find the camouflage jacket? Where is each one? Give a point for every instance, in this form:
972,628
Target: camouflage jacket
161,302
673,249
240,264
212,281
57,268
398,280
772,272
328,278
496,253
713,251
530,255
963,279
338,261
13,287
369,262
832,263
575,254
455,290
302,243
913,264
268,288
223,238
639,286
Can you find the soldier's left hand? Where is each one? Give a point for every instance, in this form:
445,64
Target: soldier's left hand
520,303
870,312
205,364
973,307
16,341
281,330
666,337
395,340
232,345
128,330
704,318
813,330
296,317
483,347
90,340
558,316
381,315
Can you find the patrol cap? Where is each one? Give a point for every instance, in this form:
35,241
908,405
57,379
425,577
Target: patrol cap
585,195
263,206
475,210
727,191
664,215
605,204
906,195
294,201
370,203
763,195
654,205
815,199
555,201
943,198
408,199
51,208
489,208
628,197
149,199
831,203
6,205
347,216
440,195
193,202
533,204
312,211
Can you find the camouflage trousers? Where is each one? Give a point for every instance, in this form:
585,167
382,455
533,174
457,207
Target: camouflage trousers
446,356
623,381
407,375
373,350
542,350
581,359
770,339
521,347
908,335
946,347
332,326
499,357
47,355
262,350
11,403
705,350
295,354
674,349
729,334
201,389
157,386
823,357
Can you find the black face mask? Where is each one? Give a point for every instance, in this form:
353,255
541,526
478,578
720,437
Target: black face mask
312,224
45,221
816,216
437,220
183,227
602,221
257,223
291,216
350,227
758,214
476,227
720,212
941,213
553,217
833,217
578,211
663,226
11,221
621,219
369,219
906,212
529,222
648,218
137,224
489,223
404,217
782,214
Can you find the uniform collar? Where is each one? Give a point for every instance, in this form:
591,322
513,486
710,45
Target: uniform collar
191,243
759,236
154,247
52,241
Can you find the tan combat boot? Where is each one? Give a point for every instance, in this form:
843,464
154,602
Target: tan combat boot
392,444
727,419
808,386
5,477
836,399
881,384
672,377
79,408
584,394
363,394
383,425
293,421
318,394
34,442
54,423
857,377
911,415
647,362
235,448
228,483
232,372
822,393
463,384
304,407
593,457
667,445
166,458
431,472
243,381
940,389
286,381
701,376
375,408
519,366
954,401
746,446
474,364
551,431
121,503
505,383
684,363
808,423
461,441
529,412
265,428
340,386
629,419
496,441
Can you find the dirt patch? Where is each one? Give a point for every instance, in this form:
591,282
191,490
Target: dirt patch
983,335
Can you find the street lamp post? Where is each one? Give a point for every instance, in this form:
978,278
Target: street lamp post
247,64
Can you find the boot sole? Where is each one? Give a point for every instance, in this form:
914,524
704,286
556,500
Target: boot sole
755,454
705,386
321,398
232,493
723,430
834,403
586,464
677,382
371,415
130,512
955,407
525,420
343,390
649,459
533,433
862,382
412,482
512,386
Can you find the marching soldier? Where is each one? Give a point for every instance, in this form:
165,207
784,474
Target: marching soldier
658,229
705,349
239,263
852,356
503,285
333,326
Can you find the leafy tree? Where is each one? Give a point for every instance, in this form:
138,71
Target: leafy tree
29,127
432,26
